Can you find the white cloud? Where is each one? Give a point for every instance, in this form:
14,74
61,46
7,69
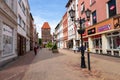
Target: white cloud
39,22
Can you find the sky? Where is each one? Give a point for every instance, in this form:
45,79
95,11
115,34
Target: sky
50,11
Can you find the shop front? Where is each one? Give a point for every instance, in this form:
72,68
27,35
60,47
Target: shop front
113,43
7,43
70,43
113,38
7,40
21,45
104,37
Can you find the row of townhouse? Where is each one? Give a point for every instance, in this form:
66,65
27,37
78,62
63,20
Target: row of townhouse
17,30
102,31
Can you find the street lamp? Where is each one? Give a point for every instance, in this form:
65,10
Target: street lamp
81,31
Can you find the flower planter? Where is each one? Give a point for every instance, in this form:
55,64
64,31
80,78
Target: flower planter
55,51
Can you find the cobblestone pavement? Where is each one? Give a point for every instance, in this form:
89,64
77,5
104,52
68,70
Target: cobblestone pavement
103,67
15,70
53,66
64,65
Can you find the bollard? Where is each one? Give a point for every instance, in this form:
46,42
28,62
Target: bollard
88,55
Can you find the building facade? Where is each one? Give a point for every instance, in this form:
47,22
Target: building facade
72,28
8,30
27,26
23,39
46,34
31,32
65,30
102,33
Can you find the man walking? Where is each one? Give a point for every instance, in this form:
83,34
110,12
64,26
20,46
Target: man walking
35,48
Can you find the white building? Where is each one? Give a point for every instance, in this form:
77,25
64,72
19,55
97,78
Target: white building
59,34
71,26
23,40
8,30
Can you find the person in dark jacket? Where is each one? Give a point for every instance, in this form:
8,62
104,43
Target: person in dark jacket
35,48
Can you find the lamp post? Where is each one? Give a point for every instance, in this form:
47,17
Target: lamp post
81,31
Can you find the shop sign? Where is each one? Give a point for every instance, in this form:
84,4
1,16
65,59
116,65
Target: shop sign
7,30
104,28
91,31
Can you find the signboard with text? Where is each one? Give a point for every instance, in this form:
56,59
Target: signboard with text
104,28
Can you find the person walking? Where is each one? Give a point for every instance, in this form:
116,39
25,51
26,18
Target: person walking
35,48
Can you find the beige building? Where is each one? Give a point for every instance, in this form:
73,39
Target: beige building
8,30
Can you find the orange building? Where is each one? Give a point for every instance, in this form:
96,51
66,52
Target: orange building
102,34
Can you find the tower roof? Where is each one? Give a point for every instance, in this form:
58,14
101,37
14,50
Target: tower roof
46,25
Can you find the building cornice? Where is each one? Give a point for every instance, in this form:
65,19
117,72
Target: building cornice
68,4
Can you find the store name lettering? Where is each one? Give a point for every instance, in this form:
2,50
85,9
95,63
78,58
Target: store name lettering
104,28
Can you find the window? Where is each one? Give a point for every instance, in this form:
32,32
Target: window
116,42
23,25
109,42
19,1
23,8
10,3
97,42
19,20
94,17
7,40
92,2
112,8
113,41
82,8
6,1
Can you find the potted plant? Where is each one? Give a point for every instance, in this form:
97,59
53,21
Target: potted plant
54,48
49,45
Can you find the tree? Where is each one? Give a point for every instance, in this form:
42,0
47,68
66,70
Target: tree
49,45
40,41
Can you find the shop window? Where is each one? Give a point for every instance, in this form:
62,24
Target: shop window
116,42
116,53
112,8
94,17
109,52
109,43
7,40
97,43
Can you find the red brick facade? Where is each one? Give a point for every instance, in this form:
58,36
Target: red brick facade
65,27
46,35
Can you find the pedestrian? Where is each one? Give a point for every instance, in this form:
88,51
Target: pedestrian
74,49
35,48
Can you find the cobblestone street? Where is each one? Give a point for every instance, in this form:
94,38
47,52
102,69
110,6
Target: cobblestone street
64,65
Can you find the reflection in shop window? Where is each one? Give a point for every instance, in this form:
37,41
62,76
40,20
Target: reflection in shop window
113,40
116,42
7,40
97,43
7,44
109,43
